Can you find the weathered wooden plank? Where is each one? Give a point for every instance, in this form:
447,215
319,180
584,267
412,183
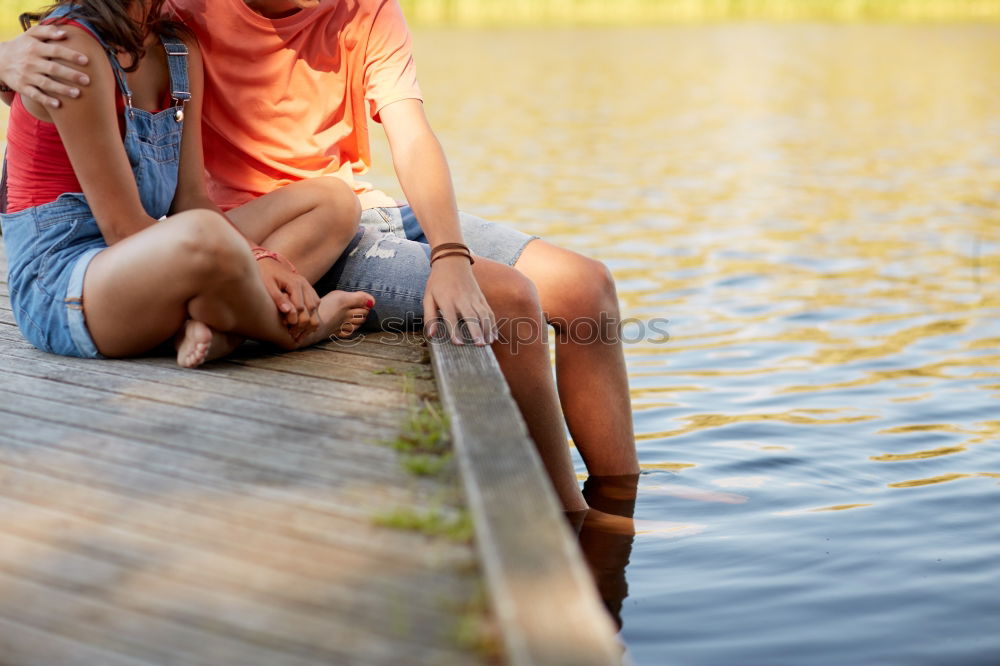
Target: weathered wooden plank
297,412
350,373
314,459
24,645
244,379
355,496
323,517
385,345
542,594
340,623
237,474
334,353
229,595
227,378
89,556
155,515
232,554
95,622
310,363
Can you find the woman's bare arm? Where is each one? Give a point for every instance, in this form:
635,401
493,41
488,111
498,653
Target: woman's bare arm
191,189
88,127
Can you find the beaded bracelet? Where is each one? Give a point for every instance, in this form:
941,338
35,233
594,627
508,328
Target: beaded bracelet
263,253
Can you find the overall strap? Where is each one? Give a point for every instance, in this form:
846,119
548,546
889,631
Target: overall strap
177,62
62,11
3,187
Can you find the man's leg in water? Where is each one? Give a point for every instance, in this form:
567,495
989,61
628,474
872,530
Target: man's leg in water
578,297
394,271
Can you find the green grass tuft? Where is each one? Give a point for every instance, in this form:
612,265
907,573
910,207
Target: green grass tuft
432,522
426,433
411,373
424,464
474,628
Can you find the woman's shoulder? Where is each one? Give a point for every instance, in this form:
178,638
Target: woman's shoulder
80,37
98,67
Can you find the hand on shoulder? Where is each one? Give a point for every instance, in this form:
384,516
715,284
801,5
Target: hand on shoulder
97,71
43,66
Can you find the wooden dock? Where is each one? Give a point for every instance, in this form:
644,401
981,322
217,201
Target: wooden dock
249,512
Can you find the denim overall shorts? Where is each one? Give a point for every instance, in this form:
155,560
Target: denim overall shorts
50,246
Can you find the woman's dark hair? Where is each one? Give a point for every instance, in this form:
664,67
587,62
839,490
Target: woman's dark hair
112,21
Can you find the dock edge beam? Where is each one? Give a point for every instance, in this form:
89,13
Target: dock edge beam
543,596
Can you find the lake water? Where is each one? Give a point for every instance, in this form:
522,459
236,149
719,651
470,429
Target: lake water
816,211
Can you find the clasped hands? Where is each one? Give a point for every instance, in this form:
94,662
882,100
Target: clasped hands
295,299
452,295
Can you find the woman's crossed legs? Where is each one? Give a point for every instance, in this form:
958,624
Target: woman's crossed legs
193,267
193,277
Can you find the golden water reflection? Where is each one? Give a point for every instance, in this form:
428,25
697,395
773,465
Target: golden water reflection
842,507
943,478
704,421
918,455
813,208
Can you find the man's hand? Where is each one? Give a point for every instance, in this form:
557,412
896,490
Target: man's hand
28,64
296,300
452,289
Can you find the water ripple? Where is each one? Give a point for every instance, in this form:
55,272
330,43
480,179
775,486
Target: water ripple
814,210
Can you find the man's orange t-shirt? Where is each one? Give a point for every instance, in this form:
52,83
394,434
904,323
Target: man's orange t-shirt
289,98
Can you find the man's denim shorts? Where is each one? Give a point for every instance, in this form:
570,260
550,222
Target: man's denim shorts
389,259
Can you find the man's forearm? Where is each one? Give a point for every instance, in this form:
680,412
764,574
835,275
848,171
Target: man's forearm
426,181
6,92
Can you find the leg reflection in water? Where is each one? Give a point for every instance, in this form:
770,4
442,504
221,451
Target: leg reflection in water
606,542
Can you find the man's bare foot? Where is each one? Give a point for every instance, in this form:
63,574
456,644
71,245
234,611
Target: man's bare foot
197,343
340,314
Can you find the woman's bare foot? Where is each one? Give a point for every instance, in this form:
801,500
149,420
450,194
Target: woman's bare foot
197,343
340,314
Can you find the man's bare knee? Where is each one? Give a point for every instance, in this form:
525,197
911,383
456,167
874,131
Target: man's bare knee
593,290
588,312
513,295
516,306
